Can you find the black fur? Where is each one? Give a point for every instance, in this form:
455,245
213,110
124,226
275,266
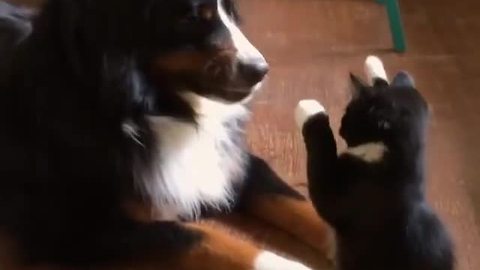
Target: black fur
66,166
263,180
14,27
378,209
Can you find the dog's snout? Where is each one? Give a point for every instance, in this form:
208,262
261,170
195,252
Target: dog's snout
253,71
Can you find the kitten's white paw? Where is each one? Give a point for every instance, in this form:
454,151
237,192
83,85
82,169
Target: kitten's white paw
374,69
305,109
269,261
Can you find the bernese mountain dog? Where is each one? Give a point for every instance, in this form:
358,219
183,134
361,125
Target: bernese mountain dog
122,126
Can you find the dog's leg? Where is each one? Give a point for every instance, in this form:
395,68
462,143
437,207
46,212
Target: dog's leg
218,249
174,246
272,200
202,246
269,198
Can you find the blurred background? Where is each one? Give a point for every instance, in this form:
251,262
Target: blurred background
312,45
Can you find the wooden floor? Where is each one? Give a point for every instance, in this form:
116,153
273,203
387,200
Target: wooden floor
312,45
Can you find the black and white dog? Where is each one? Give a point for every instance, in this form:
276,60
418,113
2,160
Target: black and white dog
122,125
373,193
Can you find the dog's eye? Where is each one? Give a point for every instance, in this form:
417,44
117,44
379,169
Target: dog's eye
206,12
199,13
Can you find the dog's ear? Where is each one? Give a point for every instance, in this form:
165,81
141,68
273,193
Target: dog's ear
403,79
15,26
61,21
359,88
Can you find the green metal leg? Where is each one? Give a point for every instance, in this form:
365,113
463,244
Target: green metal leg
396,25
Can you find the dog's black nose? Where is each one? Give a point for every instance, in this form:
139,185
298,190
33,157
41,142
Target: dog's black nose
254,71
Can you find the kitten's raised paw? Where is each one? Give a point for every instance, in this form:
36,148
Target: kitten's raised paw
305,109
271,261
374,69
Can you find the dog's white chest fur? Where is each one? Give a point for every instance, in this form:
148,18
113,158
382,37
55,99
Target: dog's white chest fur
196,165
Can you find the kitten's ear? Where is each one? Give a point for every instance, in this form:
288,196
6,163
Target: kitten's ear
357,82
359,88
403,79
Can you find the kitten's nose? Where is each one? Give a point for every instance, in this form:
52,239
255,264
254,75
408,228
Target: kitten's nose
253,71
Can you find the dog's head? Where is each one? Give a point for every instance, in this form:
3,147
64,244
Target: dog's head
176,45
205,51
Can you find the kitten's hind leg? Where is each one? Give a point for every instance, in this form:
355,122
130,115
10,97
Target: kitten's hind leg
375,70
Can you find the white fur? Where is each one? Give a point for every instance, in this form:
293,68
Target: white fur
131,130
245,50
374,69
269,261
197,165
305,109
369,152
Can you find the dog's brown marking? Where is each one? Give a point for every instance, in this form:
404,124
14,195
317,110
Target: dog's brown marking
297,217
138,210
145,212
182,61
219,249
214,66
192,62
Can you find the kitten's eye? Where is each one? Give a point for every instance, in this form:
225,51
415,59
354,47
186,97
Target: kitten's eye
384,124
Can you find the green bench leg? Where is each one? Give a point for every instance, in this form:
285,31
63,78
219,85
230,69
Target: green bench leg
396,25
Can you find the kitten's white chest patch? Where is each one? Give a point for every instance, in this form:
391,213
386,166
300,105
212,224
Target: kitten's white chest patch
369,152
196,165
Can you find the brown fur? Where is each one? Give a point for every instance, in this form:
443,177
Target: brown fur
297,217
219,250
182,61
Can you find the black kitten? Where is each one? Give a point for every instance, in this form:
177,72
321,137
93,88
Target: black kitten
373,194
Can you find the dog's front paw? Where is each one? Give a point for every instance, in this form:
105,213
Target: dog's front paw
305,109
331,248
270,261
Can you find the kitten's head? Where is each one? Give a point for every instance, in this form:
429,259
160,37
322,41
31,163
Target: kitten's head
384,111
